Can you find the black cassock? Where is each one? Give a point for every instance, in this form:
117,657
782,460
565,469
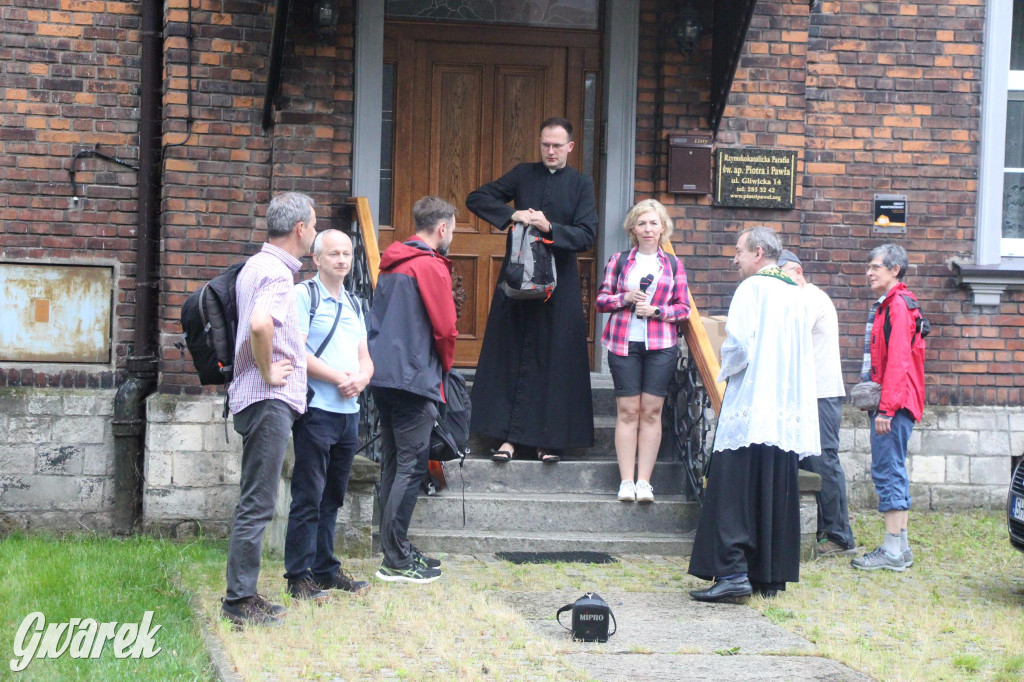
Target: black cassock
532,383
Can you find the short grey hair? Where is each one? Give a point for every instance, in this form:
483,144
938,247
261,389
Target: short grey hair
318,241
429,211
891,255
285,211
764,238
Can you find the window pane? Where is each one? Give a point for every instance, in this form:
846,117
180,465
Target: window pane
1015,131
1013,206
1017,37
565,13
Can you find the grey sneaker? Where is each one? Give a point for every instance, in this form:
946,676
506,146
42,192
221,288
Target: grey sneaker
413,574
828,548
879,558
908,557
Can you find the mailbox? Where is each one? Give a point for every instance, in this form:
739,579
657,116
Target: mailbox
689,164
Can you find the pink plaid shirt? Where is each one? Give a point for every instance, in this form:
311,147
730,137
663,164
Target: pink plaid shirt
266,283
671,296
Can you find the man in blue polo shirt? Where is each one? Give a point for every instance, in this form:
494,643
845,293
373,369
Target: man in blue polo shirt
327,435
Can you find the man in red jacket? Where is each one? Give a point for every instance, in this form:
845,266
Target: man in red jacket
893,358
411,335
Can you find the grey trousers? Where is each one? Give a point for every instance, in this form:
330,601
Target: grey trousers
265,428
833,516
406,420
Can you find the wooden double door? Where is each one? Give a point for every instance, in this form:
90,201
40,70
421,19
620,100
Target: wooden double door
469,101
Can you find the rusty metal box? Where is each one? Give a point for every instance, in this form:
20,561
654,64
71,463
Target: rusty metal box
689,164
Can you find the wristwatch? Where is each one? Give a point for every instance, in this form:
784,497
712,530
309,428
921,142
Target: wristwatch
657,312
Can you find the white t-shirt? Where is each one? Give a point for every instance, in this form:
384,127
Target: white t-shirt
645,264
825,337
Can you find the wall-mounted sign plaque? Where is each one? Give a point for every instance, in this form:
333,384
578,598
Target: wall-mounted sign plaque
754,177
890,214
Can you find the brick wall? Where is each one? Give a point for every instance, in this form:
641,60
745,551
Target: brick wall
69,71
876,97
219,178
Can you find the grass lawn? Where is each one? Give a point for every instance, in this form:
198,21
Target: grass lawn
106,579
958,614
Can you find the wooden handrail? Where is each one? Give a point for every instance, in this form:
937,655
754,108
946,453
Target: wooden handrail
369,235
701,351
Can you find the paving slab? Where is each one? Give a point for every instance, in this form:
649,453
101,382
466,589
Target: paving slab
667,635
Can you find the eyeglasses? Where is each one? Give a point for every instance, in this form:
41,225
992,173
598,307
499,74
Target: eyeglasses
553,146
875,267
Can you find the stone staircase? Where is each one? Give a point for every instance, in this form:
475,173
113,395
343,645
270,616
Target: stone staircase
524,505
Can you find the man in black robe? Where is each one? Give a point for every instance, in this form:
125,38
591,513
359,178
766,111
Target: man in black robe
532,384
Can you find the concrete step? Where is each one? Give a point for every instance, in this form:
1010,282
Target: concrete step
564,514
603,448
601,388
433,542
570,476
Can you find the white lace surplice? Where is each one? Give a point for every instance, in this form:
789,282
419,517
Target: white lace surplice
768,361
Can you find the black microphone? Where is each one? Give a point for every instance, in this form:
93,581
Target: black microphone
645,282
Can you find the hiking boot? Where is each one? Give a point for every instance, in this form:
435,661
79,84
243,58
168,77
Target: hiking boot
627,491
828,548
275,610
644,492
342,581
872,561
908,557
249,612
306,589
422,560
413,574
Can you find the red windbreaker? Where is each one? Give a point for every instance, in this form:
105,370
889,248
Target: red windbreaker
899,364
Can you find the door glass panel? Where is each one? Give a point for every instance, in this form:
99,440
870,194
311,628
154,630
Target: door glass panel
589,122
387,144
580,14
1013,185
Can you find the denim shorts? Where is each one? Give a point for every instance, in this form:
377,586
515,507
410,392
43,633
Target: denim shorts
642,371
889,462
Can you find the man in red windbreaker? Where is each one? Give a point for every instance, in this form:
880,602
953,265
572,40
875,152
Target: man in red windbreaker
893,358
411,335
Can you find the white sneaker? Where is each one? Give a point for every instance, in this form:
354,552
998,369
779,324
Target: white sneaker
644,492
627,492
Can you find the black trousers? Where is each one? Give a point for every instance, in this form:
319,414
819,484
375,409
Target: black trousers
325,445
833,516
406,420
750,520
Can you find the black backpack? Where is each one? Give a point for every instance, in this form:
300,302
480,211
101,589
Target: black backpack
450,437
922,327
209,318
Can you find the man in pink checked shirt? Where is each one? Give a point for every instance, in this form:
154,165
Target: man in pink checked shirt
267,394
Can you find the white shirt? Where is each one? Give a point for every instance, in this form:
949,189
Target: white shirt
768,360
644,264
825,337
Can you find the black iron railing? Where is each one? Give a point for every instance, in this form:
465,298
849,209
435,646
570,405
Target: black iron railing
360,282
689,412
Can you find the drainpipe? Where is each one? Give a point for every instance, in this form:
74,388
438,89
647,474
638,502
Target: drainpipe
129,423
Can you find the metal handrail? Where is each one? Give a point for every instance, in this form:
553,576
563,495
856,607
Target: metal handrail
361,282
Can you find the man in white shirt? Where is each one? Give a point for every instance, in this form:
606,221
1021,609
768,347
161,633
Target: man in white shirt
834,534
748,535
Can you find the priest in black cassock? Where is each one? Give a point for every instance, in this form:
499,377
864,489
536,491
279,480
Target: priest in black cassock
532,383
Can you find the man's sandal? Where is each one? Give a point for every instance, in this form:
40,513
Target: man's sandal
547,456
503,455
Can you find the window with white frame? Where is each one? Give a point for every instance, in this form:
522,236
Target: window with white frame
1012,242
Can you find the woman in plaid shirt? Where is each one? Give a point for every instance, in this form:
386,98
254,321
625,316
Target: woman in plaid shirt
645,291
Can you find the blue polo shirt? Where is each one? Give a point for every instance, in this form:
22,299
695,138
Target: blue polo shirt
343,350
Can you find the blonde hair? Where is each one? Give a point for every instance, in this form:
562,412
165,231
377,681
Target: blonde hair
643,207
